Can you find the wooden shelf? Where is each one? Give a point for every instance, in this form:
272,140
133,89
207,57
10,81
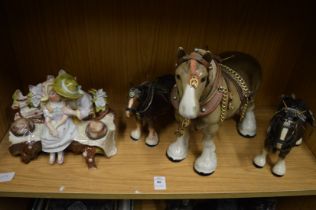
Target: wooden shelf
130,173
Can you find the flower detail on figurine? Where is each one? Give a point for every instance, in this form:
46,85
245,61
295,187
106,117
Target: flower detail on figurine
35,95
18,100
99,99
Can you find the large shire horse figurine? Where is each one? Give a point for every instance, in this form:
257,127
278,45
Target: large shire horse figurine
149,102
285,131
210,89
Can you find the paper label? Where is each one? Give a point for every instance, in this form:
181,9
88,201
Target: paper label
160,183
6,177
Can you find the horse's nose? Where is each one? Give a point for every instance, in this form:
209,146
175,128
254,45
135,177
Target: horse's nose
188,112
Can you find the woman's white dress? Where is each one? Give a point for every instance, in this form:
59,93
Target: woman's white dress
66,131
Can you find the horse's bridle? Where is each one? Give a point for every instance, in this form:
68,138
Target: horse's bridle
195,58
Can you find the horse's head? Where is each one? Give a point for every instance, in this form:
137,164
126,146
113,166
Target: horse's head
195,73
136,96
295,110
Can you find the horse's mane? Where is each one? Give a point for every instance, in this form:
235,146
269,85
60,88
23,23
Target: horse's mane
161,86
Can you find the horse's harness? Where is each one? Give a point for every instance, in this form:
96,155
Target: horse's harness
218,95
289,118
148,100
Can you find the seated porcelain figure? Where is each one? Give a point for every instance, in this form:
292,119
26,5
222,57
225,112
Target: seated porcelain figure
59,130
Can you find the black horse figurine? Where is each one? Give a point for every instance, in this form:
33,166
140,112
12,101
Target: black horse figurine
150,101
286,130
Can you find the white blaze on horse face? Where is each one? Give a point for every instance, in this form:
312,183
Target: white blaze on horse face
188,107
129,106
282,136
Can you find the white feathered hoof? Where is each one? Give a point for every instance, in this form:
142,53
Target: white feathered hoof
177,152
279,169
259,161
299,142
247,127
152,141
135,134
206,164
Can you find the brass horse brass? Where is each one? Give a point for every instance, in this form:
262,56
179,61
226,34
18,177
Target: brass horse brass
194,82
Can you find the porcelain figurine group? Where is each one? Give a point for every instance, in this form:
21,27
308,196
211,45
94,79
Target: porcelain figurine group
57,115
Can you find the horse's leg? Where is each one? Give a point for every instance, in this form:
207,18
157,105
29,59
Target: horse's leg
178,150
247,127
152,138
137,132
260,160
279,168
206,163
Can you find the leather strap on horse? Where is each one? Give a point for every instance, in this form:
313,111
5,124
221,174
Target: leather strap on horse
195,56
211,101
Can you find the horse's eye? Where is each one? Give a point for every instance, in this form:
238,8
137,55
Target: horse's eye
203,79
178,76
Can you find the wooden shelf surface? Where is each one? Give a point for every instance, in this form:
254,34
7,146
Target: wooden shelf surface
130,173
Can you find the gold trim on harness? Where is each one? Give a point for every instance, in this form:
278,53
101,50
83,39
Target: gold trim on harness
243,86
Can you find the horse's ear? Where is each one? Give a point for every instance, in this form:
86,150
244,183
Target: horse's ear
207,56
181,53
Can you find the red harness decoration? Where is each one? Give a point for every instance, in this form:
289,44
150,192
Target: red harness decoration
194,77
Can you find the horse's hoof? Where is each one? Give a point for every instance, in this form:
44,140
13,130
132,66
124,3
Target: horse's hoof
279,169
135,134
134,139
173,160
149,145
277,175
247,127
151,142
202,173
299,142
206,164
259,161
246,135
257,166
177,152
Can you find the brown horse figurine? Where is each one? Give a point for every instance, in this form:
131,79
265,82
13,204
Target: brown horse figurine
208,90
150,103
